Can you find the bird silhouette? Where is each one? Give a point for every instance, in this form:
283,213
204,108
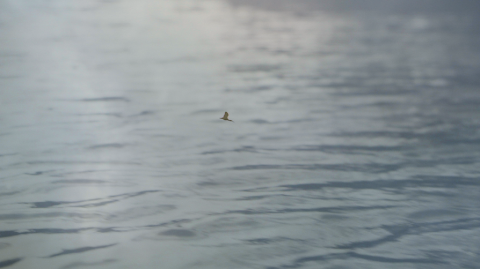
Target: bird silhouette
225,117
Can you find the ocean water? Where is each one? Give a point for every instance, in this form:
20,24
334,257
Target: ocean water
355,141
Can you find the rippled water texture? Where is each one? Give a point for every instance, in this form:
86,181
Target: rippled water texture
355,141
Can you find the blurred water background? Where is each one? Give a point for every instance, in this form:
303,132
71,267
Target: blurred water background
355,141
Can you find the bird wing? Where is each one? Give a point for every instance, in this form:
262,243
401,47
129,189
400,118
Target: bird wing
226,115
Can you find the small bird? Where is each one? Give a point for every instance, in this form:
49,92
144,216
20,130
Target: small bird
225,117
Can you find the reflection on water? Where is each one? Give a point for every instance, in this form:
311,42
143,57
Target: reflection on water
355,142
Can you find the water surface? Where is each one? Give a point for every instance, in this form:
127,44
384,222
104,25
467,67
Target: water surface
355,143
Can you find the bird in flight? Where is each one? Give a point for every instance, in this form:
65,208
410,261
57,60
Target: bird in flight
225,117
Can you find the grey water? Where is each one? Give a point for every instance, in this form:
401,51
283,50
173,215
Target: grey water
355,141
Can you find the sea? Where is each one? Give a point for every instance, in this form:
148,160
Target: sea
355,141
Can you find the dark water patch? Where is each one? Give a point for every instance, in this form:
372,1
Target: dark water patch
98,204
450,140
206,111
389,260
364,90
449,180
11,233
269,241
398,231
469,104
298,263
260,241
372,243
338,85
133,194
79,250
433,213
19,216
120,197
270,138
251,89
9,193
179,60
107,99
441,161
144,113
430,182
377,134
47,204
253,68
242,149
6,263
334,217
259,197
262,121
80,181
75,162
434,227
366,168
307,7
39,173
349,148
450,255
168,223
112,114
423,193
393,260
178,233
259,88
208,183
294,121
110,145
444,138
80,172
110,230
92,202
302,210
259,121
88,264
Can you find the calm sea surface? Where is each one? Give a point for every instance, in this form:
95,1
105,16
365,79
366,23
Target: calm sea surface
355,141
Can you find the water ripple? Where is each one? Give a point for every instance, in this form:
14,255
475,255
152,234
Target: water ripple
366,168
88,203
399,231
421,181
79,250
6,263
349,255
